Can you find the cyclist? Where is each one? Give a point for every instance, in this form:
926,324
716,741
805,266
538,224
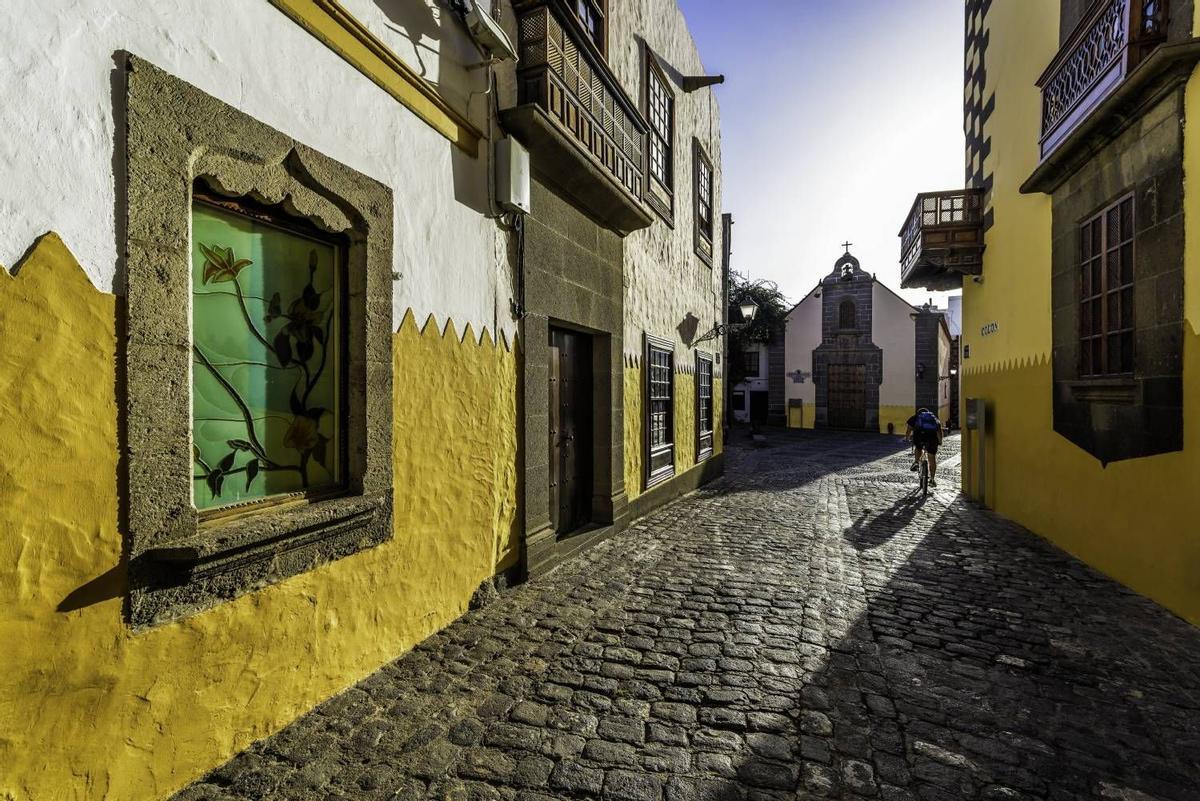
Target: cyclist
925,431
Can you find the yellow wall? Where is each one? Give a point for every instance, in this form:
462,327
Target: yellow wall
685,424
896,415
634,466
1135,520
89,710
802,418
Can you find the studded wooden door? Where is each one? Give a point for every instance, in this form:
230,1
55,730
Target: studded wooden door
847,396
570,410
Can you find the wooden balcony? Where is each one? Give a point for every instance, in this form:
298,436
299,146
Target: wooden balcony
942,239
584,133
1113,38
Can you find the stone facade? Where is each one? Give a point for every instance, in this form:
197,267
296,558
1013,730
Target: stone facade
847,344
1140,413
929,327
573,279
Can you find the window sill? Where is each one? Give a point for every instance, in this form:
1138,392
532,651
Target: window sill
1121,391
704,249
704,455
224,560
663,208
294,525
654,479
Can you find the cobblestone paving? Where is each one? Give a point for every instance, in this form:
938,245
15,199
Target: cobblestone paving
804,629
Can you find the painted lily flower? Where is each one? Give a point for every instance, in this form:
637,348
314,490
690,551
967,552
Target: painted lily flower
302,434
220,265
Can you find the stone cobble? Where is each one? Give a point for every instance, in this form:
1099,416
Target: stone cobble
805,628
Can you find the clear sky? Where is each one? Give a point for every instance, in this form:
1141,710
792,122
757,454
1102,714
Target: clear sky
833,116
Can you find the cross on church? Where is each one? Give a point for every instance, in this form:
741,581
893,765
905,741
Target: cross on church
847,245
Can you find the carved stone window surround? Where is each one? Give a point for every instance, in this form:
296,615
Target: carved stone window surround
179,138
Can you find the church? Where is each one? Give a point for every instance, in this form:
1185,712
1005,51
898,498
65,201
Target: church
859,357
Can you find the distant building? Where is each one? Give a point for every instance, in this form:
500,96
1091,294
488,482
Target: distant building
760,396
860,357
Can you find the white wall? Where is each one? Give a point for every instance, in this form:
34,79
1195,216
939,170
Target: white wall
57,151
802,337
944,378
661,256
954,315
894,331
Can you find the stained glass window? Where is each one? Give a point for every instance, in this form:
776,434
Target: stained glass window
267,358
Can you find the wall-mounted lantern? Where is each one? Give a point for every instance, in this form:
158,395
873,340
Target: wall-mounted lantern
748,310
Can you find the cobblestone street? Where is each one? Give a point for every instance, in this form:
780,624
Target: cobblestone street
804,628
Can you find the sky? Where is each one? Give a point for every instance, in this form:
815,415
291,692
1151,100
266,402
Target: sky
834,115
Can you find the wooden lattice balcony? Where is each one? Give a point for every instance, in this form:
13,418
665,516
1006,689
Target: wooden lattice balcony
942,239
580,125
1109,42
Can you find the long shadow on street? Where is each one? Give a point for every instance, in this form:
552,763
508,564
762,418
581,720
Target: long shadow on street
803,629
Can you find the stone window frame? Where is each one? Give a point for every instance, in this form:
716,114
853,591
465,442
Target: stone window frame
704,437
656,475
1094,230
703,238
178,138
847,321
663,202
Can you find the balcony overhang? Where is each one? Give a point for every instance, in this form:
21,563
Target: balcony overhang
558,159
942,240
586,137
1166,68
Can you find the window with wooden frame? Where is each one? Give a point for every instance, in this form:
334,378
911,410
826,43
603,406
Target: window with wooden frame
750,363
1106,291
591,15
660,111
660,410
702,178
704,406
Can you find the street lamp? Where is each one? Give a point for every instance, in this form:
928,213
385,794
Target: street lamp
748,309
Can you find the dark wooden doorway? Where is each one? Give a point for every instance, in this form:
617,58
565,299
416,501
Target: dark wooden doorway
570,430
758,408
847,398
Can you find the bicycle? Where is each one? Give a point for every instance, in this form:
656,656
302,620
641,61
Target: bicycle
923,470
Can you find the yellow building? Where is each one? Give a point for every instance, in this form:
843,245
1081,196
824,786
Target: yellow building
299,353
1077,249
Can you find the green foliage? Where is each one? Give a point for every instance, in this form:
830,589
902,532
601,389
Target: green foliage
769,321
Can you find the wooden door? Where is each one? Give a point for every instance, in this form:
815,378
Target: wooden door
570,430
847,398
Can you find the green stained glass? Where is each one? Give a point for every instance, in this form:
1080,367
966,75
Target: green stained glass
266,360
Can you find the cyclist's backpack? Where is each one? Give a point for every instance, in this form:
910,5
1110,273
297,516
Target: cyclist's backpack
927,423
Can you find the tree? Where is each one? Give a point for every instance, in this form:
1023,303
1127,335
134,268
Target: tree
769,321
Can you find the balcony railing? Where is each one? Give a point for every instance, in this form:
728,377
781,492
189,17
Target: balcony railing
561,72
942,239
1112,39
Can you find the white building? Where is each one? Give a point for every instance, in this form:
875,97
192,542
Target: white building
858,356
